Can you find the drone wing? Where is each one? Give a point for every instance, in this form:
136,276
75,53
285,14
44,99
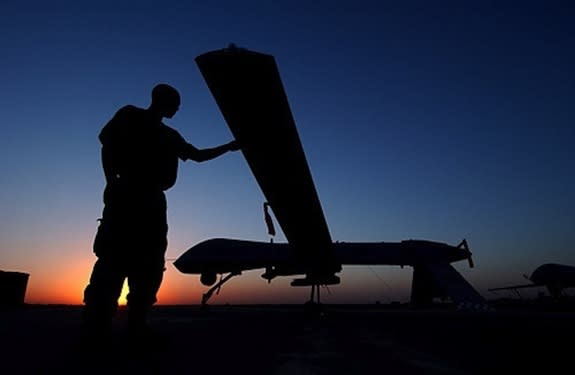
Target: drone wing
249,92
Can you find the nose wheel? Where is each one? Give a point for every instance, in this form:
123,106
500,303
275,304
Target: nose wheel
216,288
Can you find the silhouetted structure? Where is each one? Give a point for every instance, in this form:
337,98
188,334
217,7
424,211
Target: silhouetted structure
13,288
140,156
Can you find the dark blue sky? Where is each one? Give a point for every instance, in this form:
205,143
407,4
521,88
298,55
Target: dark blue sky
431,120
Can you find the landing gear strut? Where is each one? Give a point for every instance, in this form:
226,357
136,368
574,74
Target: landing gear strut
314,288
314,304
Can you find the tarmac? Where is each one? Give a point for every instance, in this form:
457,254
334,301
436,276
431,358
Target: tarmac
287,339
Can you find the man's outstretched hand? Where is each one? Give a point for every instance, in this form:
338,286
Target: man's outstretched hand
233,145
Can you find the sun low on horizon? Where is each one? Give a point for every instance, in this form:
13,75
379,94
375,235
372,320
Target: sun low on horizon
122,301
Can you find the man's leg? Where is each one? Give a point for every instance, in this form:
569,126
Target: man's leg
101,295
144,280
147,265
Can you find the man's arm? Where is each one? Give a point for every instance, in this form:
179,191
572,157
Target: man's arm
200,155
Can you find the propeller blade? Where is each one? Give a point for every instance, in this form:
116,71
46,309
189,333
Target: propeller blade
470,261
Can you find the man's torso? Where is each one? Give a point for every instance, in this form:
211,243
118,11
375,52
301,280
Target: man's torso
145,152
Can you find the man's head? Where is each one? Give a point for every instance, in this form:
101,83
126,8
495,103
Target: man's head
165,100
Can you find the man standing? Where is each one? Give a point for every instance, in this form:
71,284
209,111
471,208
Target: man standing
140,161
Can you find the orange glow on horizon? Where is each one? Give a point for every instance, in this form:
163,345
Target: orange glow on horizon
64,283
59,274
60,283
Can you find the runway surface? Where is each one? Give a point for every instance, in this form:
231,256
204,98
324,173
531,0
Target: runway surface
287,340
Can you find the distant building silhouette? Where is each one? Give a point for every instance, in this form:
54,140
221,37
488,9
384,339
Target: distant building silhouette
13,288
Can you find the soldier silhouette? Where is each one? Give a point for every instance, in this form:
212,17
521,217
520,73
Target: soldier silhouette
140,157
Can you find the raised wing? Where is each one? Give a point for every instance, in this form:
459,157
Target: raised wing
249,92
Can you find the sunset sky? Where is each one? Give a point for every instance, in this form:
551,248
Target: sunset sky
437,120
